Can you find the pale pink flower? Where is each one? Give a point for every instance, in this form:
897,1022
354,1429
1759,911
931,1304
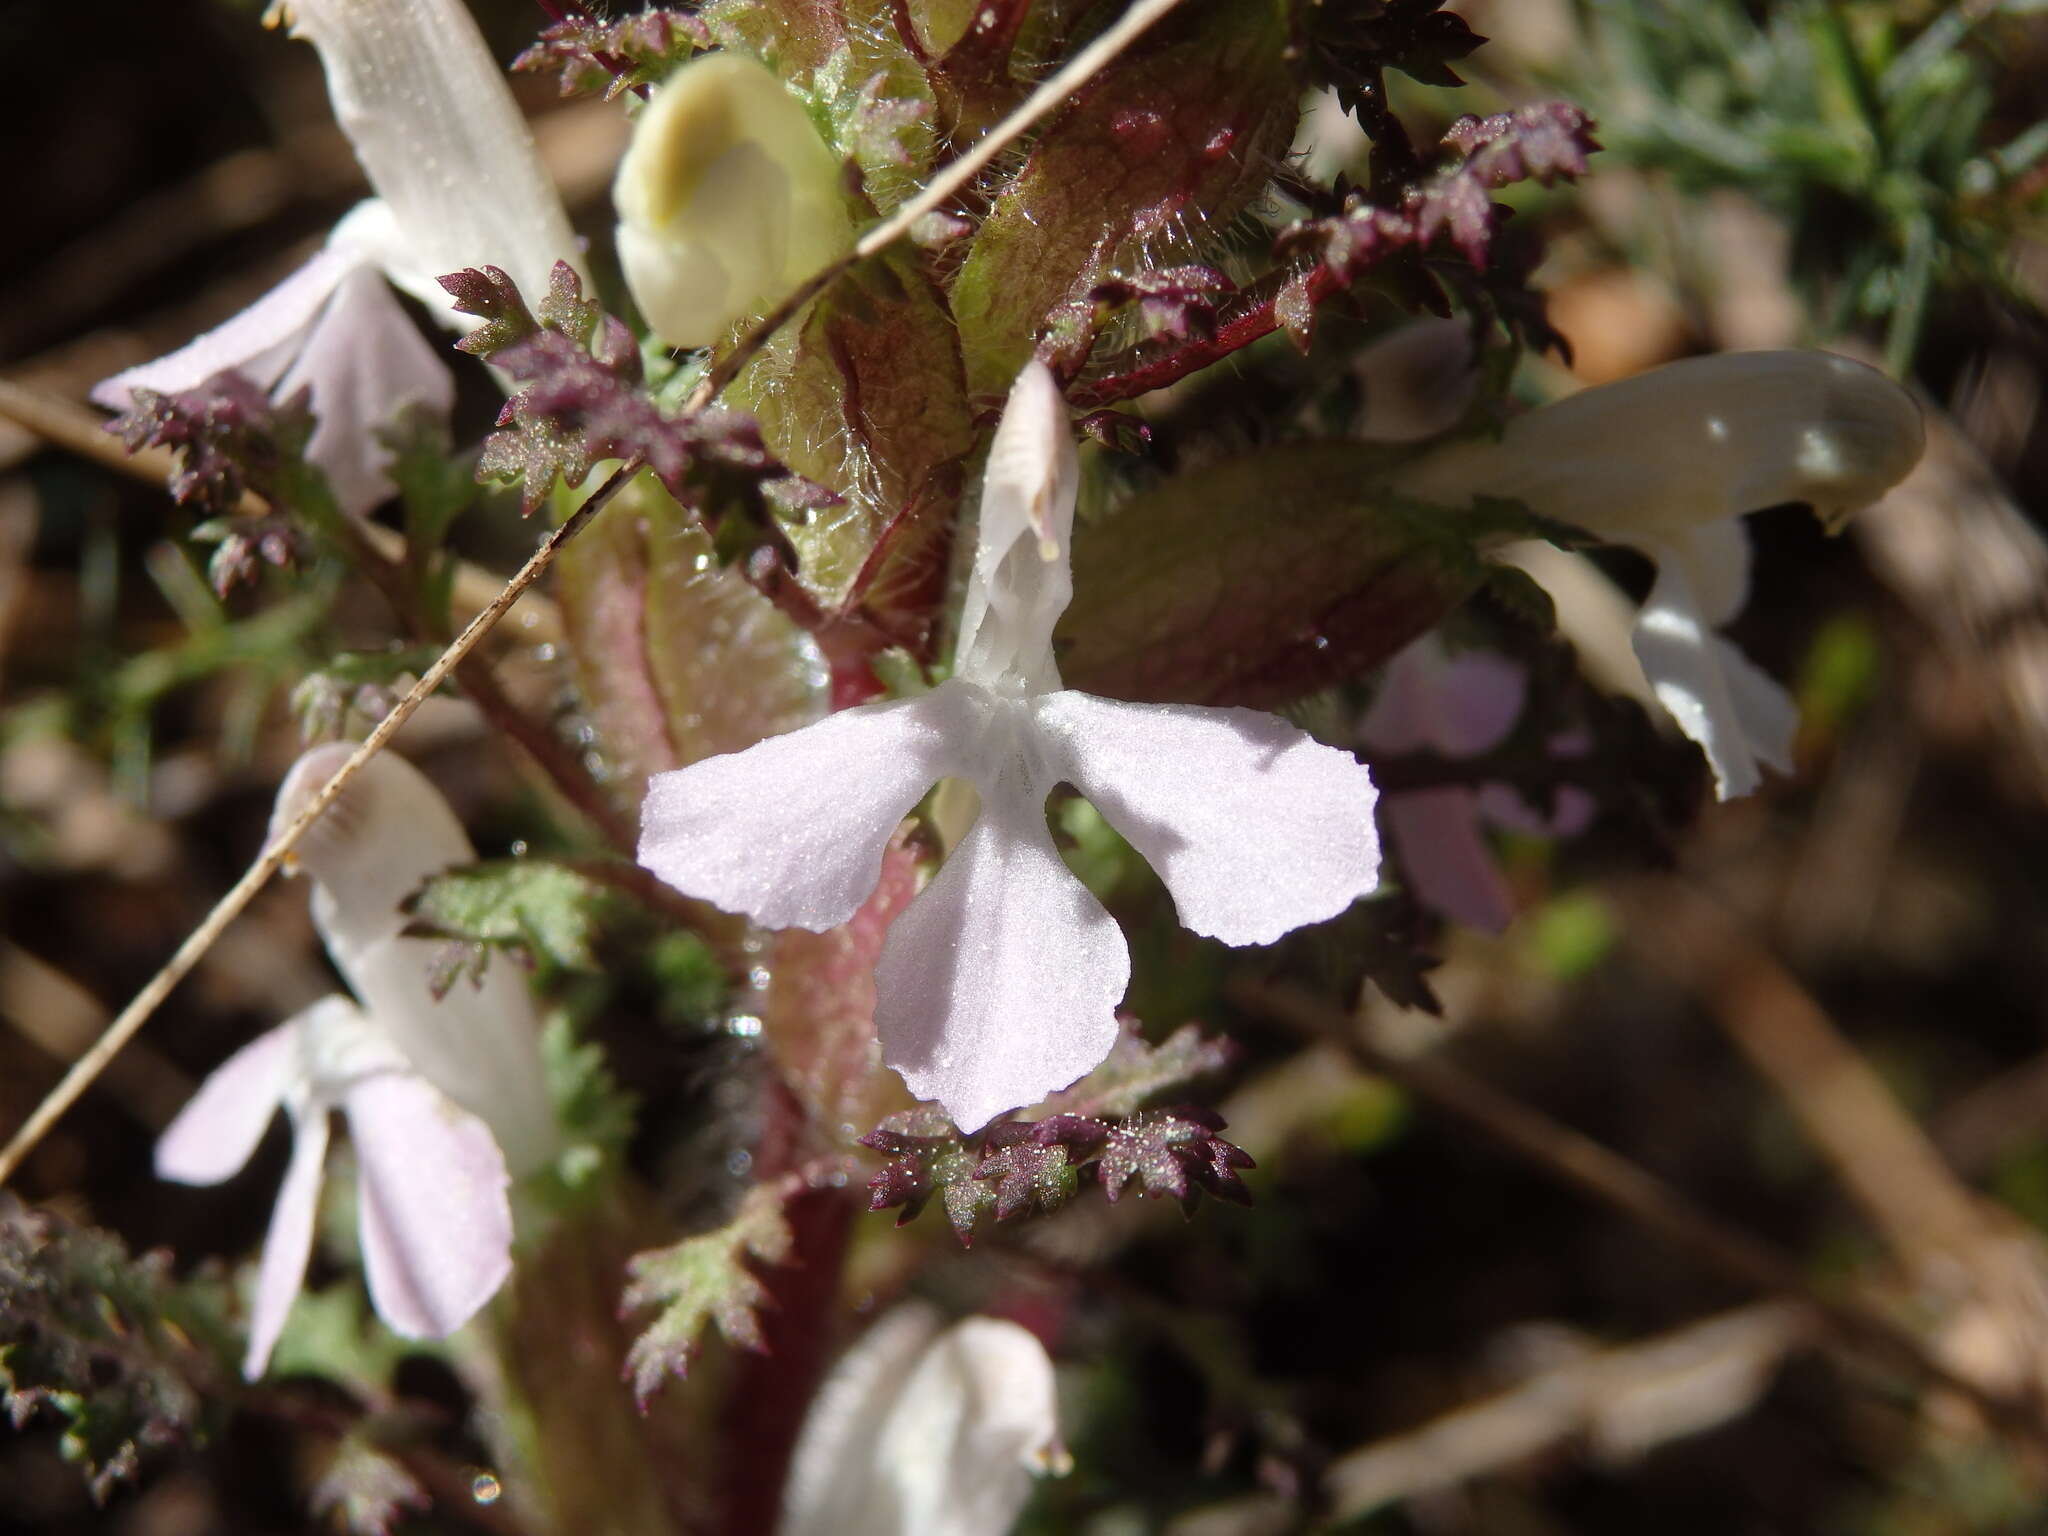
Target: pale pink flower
439,1095
1459,705
1000,982
458,184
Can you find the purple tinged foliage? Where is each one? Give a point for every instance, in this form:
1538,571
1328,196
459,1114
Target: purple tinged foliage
228,435
1174,301
1545,143
1175,1152
1349,44
583,400
1018,1167
243,547
630,54
879,121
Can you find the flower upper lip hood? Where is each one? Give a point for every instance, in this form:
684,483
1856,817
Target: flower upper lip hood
923,1432
427,111
1694,442
1000,982
386,833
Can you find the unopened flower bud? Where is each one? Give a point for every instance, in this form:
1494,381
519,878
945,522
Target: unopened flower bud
727,199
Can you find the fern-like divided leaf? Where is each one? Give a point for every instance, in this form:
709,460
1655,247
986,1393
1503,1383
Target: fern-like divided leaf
103,1341
703,1279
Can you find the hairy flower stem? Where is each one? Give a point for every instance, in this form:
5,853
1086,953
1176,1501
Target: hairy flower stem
229,907
1240,330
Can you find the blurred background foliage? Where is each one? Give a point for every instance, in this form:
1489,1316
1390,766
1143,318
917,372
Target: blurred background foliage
1411,1329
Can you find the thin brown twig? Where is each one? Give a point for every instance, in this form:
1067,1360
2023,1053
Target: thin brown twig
229,907
1586,1165
1071,76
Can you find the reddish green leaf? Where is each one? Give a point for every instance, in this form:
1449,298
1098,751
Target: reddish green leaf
868,398
1260,580
1170,141
677,659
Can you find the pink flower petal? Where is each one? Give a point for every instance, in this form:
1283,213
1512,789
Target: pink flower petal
217,1132
791,831
1460,705
1255,827
436,1223
289,1242
1572,811
260,341
1000,982
1449,867
364,361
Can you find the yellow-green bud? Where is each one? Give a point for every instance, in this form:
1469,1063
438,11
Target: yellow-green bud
727,199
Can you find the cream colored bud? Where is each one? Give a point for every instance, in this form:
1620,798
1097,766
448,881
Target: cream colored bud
727,199
1692,443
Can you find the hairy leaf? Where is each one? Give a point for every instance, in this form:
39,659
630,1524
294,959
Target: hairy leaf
677,657
1135,1073
1170,141
547,908
1175,1152
701,1280
1265,578
869,400
583,400
629,54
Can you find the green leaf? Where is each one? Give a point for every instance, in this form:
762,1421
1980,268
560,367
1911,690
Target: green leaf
869,399
702,1280
547,908
1136,1074
596,1115
1260,580
1159,152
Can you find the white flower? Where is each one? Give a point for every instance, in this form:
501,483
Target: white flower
458,184
1000,982
727,199
1667,463
920,1436
440,1096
